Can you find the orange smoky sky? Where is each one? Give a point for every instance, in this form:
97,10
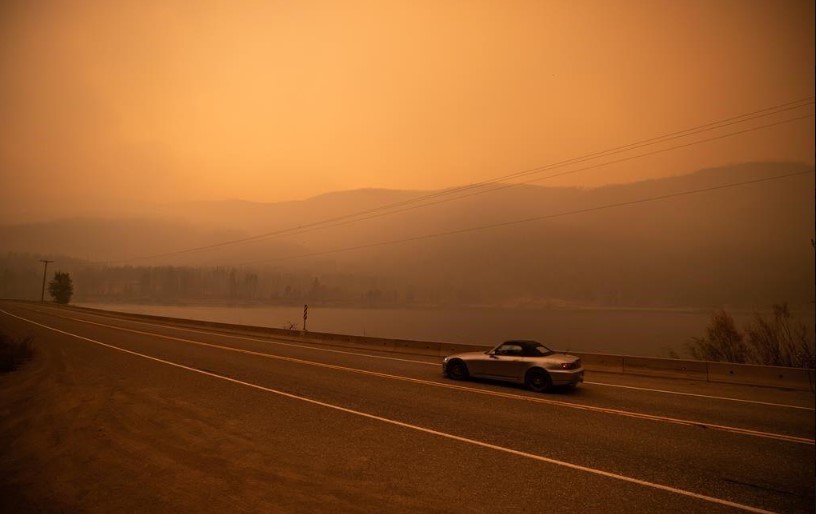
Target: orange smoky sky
112,104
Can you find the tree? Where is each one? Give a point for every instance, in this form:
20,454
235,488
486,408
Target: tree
61,288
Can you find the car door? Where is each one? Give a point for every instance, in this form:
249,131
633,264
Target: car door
505,363
479,364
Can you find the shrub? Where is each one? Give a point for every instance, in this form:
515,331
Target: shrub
13,353
780,340
776,341
723,342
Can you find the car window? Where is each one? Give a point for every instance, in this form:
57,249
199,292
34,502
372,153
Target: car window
509,349
541,350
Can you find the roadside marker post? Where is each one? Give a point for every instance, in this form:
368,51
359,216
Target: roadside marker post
305,315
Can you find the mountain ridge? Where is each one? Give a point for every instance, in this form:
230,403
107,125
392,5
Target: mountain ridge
747,244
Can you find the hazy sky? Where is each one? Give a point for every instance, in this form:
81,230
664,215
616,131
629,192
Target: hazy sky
106,103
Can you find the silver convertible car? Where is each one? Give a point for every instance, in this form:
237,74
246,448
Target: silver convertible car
524,362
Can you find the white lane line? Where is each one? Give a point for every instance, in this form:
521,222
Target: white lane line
665,391
323,349
417,428
571,405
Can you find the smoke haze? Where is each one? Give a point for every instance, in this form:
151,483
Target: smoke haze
112,107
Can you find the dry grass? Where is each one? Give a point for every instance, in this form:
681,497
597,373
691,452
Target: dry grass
14,352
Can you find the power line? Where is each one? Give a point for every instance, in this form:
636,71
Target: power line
390,208
534,218
610,151
594,166
631,146
505,186
330,222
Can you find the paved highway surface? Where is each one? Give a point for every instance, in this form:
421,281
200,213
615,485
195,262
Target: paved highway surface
117,415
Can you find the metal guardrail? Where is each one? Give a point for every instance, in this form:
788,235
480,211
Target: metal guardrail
722,372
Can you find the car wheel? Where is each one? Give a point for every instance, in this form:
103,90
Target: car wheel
457,370
537,380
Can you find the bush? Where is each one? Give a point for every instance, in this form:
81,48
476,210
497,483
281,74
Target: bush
776,341
780,341
13,353
723,342
61,287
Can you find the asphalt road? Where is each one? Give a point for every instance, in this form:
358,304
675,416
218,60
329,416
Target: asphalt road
115,415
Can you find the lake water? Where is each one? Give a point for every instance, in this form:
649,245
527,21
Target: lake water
622,331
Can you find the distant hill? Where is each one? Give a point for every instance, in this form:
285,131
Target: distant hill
254,217
748,245
106,240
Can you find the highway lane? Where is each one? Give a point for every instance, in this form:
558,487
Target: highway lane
704,409
756,395
682,387
362,462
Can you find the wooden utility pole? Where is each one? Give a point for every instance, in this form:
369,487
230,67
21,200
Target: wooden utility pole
45,270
